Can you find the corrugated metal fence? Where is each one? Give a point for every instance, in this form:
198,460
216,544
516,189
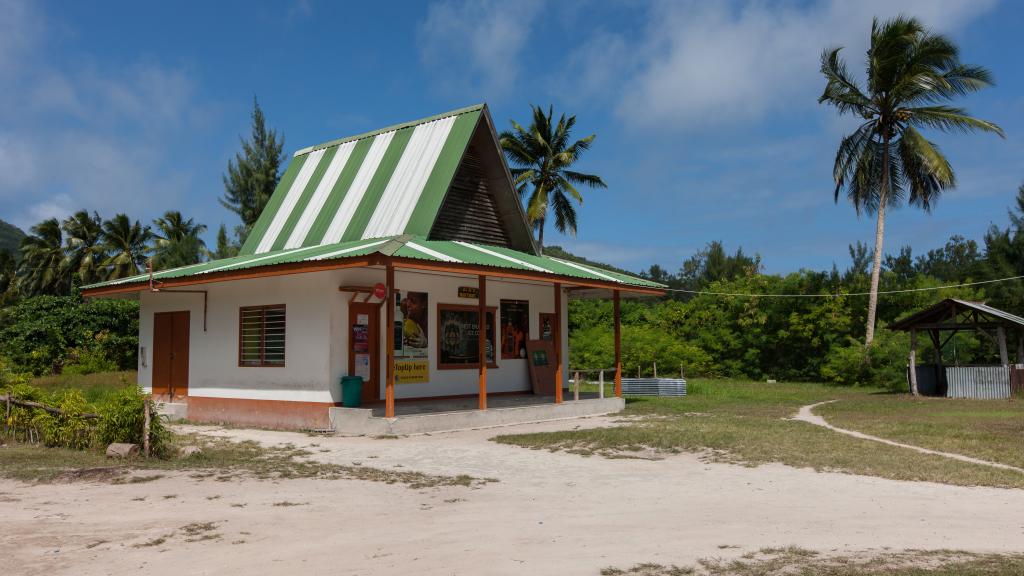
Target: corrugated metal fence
654,386
985,382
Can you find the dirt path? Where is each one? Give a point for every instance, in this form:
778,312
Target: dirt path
806,414
550,513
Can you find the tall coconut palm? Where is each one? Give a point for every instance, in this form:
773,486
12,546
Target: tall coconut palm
177,241
83,243
887,160
43,268
541,157
126,244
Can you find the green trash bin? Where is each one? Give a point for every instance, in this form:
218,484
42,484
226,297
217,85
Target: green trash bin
351,391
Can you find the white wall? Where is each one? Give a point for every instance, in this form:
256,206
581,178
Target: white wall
316,346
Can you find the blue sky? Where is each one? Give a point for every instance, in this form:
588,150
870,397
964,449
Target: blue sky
706,114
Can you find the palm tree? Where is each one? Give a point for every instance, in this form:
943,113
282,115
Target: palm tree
8,269
177,241
84,249
43,268
886,160
541,157
125,243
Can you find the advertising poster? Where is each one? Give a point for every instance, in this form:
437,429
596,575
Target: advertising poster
460,331
412,340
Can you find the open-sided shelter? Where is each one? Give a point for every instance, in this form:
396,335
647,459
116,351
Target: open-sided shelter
401,255
941,322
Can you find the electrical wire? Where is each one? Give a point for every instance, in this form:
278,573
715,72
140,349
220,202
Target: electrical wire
841,295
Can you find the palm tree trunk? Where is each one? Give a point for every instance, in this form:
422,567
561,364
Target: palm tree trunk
876,268
540,234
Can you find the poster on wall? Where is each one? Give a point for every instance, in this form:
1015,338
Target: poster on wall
412,339
515,328
460,333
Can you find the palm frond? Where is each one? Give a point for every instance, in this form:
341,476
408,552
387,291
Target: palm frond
950,119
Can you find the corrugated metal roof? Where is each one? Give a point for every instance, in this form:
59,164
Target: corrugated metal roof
404,246
383,183
940,313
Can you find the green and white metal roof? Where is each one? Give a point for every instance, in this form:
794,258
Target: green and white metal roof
447,252
382,183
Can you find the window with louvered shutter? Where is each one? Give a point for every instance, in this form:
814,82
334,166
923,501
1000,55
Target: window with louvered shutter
261,335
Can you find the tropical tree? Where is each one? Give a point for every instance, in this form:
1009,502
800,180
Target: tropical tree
541,157
177,241
43,268
253,173
126,245
8,270
225,247
83,234
911,71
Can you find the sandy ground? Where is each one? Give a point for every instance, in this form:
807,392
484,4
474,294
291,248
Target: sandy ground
550,513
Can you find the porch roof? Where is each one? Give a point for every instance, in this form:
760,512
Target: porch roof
943,315
412,251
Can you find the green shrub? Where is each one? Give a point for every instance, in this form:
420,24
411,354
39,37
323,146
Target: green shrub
882,365
83,361
69,429
122,420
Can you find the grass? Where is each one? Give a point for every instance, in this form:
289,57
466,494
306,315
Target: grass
95,387
747,423
800,562
988,429
220,460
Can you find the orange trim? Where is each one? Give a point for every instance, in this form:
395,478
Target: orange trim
389,339
261,272
481,343
376,260
281,414
558,343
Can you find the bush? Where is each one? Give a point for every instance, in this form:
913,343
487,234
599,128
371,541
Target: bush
44,333
88,361
69,429
883,364
122,420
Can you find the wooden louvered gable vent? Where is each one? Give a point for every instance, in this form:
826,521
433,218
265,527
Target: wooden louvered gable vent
261,335
469,212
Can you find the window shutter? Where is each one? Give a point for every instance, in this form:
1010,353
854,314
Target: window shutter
261,337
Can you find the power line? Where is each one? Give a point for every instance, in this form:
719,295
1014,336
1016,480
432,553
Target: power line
880,292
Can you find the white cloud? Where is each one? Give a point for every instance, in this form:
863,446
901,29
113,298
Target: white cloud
76,134
700,64
475,45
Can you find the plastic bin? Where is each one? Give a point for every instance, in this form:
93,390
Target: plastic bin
351,391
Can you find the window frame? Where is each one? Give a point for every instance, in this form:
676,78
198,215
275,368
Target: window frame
263,336
488,310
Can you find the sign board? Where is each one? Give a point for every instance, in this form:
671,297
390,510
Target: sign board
541,355
412,371
469,292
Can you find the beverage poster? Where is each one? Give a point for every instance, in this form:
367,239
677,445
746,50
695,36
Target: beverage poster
515,328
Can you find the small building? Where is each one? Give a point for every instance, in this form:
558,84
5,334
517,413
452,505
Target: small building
402,256
958,381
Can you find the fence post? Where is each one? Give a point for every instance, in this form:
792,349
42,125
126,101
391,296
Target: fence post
576,386
7,417
145,427
600,384
655,362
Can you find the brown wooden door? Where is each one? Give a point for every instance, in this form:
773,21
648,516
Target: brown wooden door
364,347
170,354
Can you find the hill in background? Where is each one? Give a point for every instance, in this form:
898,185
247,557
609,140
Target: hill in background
559,252
10,238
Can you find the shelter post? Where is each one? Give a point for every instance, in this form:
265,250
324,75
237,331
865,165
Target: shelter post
913,362
1020,348
558,342
482,341
1004,358
618,344
389,342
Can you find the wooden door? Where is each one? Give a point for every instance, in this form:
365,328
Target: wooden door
170,354
364,347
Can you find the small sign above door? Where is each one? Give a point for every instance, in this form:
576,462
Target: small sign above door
469,292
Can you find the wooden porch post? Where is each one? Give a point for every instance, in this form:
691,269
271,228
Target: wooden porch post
913,362
557,336
1004,358
1020,348
389,342
618,344
482,341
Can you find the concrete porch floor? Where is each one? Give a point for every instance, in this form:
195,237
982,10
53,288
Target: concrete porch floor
443,415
